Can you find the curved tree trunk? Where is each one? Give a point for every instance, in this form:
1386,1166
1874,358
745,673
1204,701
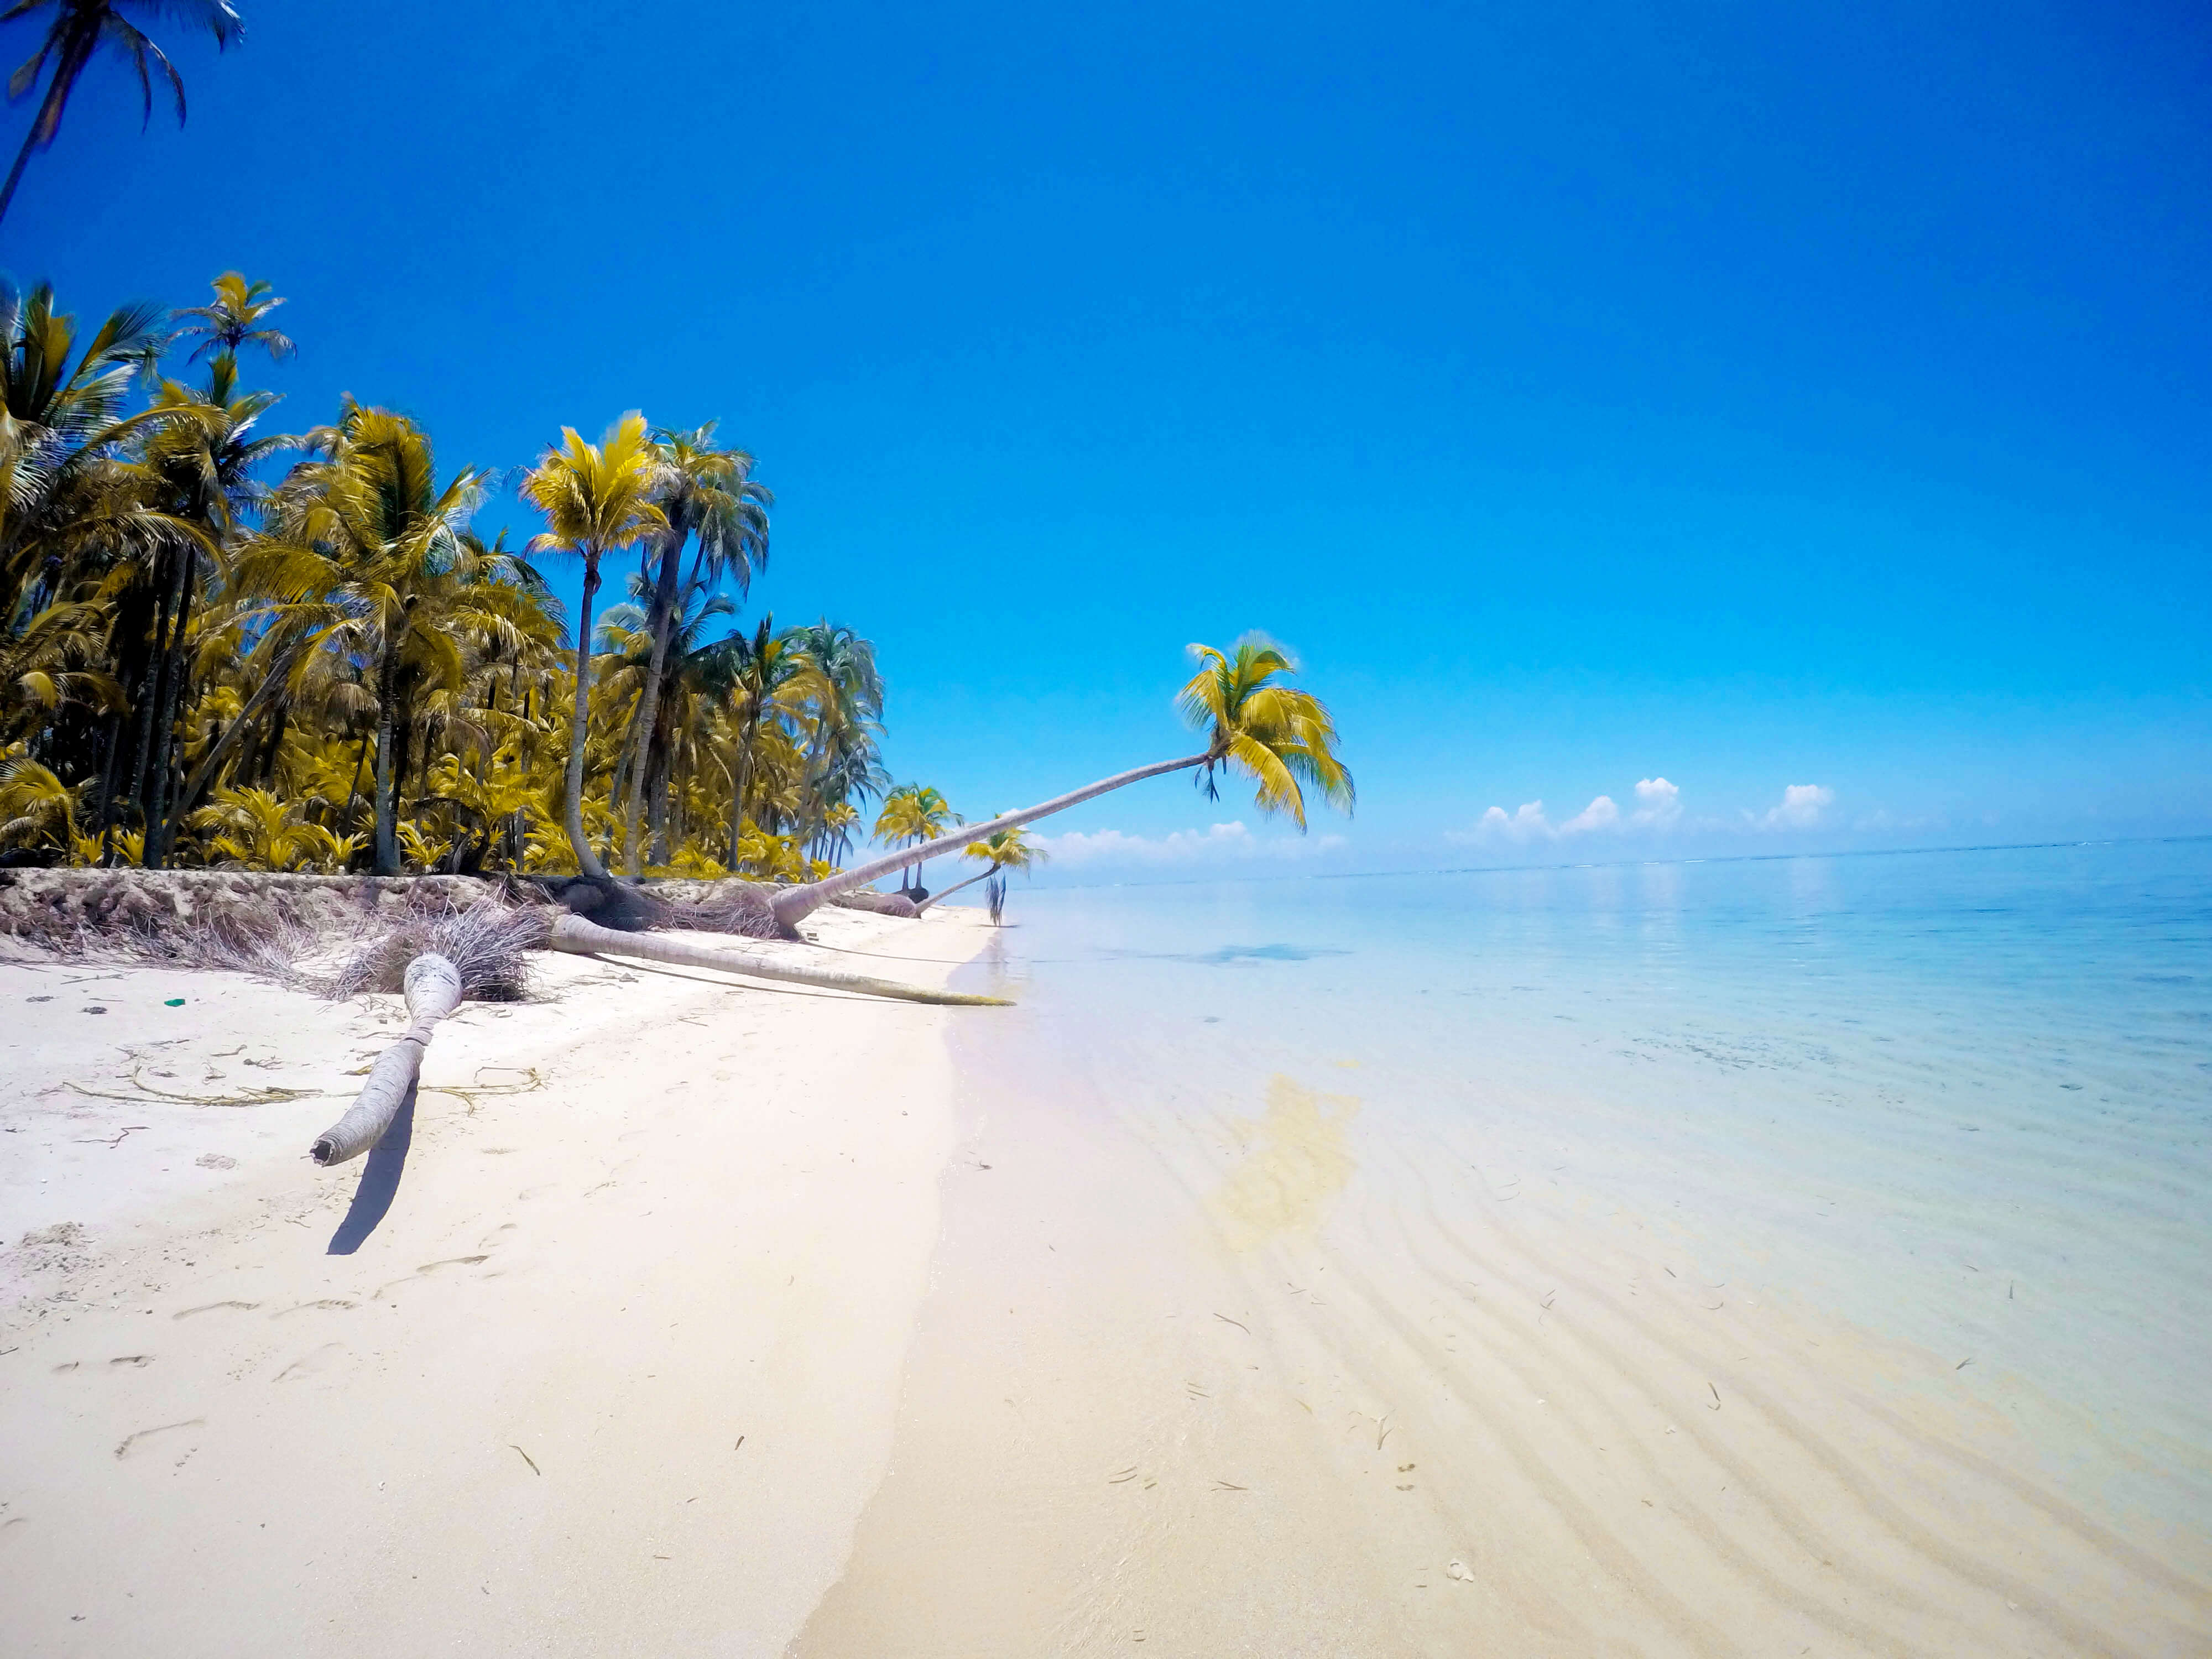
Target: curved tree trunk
939,898
582,937
794,904
432,988
587,862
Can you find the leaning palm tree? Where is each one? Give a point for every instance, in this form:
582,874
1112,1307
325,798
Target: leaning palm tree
1002,851
82,27
595,497
1283,740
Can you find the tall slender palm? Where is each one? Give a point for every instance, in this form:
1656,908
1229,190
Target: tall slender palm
356,541
81,27
595,497
199,469
763,677
841,751
1284,739
710,492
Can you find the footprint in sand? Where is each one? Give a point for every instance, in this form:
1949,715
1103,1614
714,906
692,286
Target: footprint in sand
133,1359
430,1267
321,1302
166,1439
209,1307
316,1362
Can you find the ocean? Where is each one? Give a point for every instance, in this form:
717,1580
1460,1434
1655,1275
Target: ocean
1954,1103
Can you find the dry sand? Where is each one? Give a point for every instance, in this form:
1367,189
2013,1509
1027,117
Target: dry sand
716,1322
612,1372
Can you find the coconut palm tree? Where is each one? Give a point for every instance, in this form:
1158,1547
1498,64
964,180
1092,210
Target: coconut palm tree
1283,740
913,813
762,678
1005,850
81,27
711,493
233,319
356,543
595,497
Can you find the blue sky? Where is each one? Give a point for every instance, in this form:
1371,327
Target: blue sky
1732,396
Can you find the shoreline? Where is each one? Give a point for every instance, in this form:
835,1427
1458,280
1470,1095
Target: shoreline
655,1230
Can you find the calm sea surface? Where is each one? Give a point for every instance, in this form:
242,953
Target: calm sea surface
1960,1100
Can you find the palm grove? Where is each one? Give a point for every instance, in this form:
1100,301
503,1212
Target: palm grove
220,644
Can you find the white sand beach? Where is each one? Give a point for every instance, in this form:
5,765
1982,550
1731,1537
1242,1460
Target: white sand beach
610,1370
708,1316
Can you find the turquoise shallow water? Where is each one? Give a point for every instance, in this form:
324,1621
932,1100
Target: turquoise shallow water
1958,1099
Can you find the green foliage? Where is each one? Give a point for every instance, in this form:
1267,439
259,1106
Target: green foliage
204,664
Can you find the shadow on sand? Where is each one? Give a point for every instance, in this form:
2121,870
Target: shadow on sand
380,1182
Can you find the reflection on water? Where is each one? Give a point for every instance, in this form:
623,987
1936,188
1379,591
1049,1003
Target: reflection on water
1293,1160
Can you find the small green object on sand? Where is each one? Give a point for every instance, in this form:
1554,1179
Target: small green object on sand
174,1002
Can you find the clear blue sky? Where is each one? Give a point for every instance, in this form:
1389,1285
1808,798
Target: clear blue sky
1744,396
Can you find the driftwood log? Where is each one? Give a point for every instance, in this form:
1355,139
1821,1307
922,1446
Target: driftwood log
433,990
574,933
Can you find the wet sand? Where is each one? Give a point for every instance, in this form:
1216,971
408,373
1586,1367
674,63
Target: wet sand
1282,1383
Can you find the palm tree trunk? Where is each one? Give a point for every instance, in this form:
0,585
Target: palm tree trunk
574,934
272,683
67,67
794,904
587,862
433,990
939,898
150,697
664,620
385,837
160,827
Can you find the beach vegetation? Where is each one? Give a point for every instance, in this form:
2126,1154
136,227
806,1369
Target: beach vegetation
226,646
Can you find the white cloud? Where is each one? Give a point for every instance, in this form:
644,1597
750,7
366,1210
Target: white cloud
1801,808
1223,842
1659,806
1600,814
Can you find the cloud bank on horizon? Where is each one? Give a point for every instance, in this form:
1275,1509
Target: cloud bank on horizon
1658,809
1231,842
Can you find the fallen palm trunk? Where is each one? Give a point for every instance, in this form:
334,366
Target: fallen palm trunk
574,933
433,990
923,909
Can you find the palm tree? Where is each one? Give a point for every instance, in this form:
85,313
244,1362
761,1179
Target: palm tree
709,492
233,318
767,676
1283,740
81,27
356,543
841,752
913,813
1004,850
594,497
199,470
